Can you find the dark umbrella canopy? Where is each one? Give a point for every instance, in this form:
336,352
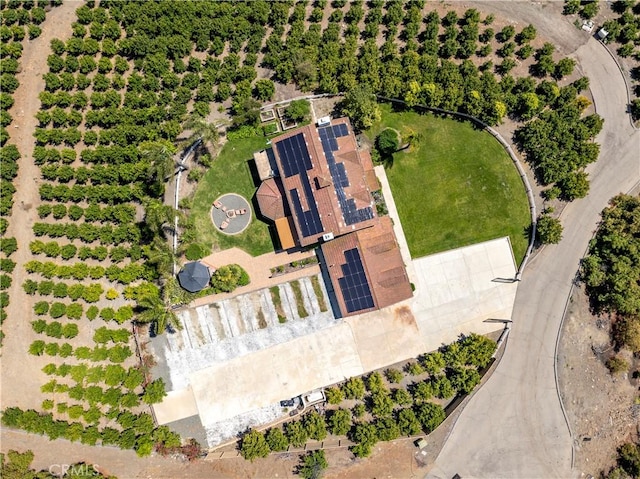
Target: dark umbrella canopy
194,277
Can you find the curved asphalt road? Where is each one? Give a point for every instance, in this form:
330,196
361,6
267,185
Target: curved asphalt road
514,427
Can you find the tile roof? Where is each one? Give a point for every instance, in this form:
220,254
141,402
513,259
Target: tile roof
383,265
313,186
270,199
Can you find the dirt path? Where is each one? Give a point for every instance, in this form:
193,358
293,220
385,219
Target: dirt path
18,387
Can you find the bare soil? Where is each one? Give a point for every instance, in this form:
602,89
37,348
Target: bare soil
600,407
19,388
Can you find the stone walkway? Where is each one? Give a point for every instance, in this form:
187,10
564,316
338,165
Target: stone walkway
397,225
258,268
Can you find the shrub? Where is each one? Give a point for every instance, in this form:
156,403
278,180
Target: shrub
548,230
401,397
74,311
92,312
254,445
70,331
359,410
340,422
107,314
312,465
408,422
51,349
430,416
37,348
315,425
41,308
387,142
353,388
57,310
616,364
65,350
394,375
296,433
414,368
154,391
334,395
276,439
54,330
39,325
227,278
5,281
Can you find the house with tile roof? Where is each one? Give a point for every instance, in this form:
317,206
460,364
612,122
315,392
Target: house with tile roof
317,189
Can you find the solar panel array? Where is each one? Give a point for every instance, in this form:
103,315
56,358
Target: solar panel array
295,160
354,285
350,212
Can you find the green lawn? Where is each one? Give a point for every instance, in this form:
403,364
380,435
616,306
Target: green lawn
457,187
230,173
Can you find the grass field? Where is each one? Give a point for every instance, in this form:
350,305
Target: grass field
230,173
456,187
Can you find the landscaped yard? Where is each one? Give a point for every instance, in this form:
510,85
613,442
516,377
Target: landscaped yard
231,173
456,187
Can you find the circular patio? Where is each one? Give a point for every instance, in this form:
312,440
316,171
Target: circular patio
231,214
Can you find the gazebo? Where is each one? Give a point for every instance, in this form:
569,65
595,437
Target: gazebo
270,200
194,277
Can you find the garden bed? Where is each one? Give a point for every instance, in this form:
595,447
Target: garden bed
293,266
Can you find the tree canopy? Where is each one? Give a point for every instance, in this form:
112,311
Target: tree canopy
612,267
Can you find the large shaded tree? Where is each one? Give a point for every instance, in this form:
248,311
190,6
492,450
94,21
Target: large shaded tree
361,107
612,267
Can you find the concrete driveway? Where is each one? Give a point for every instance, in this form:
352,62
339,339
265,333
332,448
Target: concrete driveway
514,426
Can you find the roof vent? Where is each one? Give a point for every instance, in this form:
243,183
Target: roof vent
327,237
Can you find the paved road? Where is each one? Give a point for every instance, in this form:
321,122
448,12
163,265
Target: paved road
514,426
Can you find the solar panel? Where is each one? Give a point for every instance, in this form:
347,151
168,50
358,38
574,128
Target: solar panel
350,213
354,285
295,160
294,155
340,130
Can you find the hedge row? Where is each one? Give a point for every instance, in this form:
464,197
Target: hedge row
55,329
88,233
79,271
109,194
102,154
90,293
112,375
98,175
116,354
67,251
141,436
58,310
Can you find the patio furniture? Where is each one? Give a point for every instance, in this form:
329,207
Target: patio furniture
238,212
224,224
243,211
224,208
217,204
